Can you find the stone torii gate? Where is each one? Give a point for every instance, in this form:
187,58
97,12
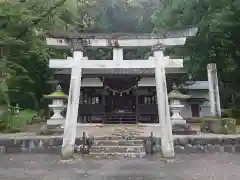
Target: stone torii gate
158,61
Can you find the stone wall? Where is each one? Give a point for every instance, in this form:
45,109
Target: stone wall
183,144
45,145
207,144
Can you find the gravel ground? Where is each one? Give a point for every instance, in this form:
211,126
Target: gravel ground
183,167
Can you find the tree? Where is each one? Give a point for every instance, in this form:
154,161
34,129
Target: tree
116,16
216,41
23,24
25,57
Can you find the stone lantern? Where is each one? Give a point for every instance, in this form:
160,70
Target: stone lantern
179,125
57,106
175,106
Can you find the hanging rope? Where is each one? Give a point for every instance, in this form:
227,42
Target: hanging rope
121,92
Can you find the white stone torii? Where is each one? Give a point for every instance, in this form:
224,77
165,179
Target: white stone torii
77,62
158,62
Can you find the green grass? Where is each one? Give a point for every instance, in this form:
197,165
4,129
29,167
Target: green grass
16,123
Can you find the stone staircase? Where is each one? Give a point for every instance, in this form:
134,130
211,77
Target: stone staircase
123,142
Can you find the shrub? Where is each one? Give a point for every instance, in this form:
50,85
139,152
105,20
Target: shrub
218,125
4,120
227,113
16,123
236,113
24,117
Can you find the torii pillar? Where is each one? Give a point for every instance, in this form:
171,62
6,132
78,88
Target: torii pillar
165,123
72,108
213,90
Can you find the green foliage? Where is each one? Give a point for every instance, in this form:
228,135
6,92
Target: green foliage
16,123
26,55
23,25
4,119
234,113
115,16
22,29
227,113
216,41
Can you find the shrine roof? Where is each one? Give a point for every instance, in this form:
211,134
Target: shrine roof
167,34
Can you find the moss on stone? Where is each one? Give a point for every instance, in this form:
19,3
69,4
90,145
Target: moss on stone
56,94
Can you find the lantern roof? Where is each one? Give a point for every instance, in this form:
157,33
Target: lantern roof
176,94
58,94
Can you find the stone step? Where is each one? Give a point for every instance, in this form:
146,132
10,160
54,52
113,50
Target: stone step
124,135
120,142
126,131
117,149
117,155
119,138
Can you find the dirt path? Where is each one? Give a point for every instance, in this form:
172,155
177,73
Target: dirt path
184,167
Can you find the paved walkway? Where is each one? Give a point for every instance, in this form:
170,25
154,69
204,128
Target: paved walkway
184,167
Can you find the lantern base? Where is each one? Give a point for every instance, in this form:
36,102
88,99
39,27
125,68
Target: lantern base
59,121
